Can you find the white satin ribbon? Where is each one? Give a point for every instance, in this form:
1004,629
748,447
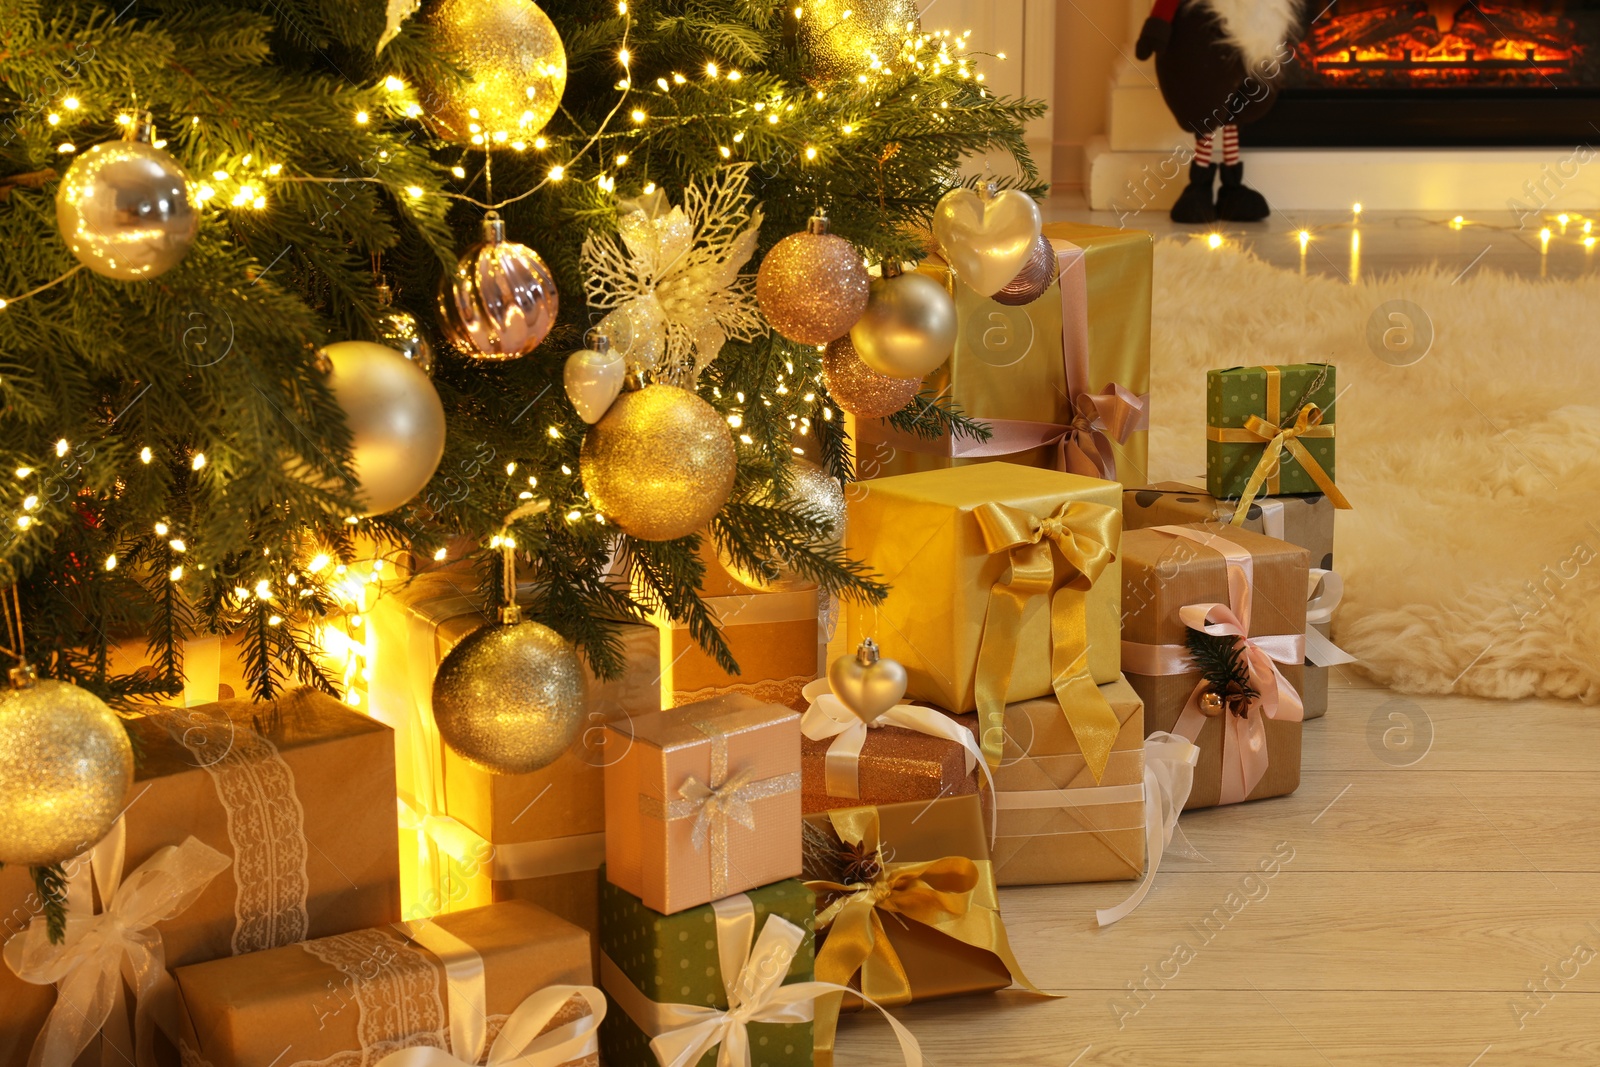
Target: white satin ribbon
521,1042
682,1033
827,716
544,859
463,974
99,952
1169,762
1324,590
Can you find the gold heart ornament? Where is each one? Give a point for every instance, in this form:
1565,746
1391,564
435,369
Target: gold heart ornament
986,238
866,683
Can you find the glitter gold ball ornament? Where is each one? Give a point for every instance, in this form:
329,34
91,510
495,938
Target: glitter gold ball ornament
809,488
399,329
858,388
123,207
65,769
909,327
659,464
1033,279
842,37
812,286
517,69
501,300
986,235
509,697
395,417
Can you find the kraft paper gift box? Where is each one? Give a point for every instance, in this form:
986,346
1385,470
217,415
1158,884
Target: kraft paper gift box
1270,430
990,601
469,837
447,983
703,801
776,638
907,908
297,796
1170,568
1062,382
1057,824
649,961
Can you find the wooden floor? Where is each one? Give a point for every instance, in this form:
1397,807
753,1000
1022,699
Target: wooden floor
1435,901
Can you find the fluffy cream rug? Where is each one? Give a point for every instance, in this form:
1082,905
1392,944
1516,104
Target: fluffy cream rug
1472,558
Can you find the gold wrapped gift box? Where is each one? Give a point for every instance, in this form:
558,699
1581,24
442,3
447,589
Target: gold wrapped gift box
469,837
358,996
895,765
1164,573
298,794
703,801
1057,824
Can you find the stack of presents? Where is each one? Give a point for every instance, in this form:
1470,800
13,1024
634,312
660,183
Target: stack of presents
723,865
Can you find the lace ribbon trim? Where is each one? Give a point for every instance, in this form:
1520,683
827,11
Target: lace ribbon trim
395,990
786,691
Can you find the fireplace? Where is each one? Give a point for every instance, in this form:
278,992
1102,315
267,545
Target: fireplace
1441,73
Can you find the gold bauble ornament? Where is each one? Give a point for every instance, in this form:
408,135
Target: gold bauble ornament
65,770
812,286
1033,279
659,464
395,417
858,388
123,207
866,683
812,489
398,329
1211,704
841,38
509,697
517,66
909,327
501,300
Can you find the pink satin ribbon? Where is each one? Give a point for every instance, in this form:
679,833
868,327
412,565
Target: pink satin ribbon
1083,446
1244,738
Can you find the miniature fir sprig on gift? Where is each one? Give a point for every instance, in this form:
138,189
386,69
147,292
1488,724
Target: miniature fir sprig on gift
1225,673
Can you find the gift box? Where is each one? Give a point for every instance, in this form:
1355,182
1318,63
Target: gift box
1062,382
906,906
295,795
651,962
469,837
1306,521
1005,586
911,752
447,983
776,638
1056,823
703,801
1270,430
1241,585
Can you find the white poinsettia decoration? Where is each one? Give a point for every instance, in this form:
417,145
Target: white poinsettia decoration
672,283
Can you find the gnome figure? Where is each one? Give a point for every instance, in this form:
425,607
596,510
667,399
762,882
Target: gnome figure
1219,63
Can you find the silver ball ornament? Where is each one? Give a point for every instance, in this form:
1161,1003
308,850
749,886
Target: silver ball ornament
909,327
65,769
509,697
398,329
123,208
395,417
501,300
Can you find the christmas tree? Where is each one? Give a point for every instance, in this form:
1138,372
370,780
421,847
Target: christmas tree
180,454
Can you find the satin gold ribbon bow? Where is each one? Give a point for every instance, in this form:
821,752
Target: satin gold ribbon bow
1086,536
100,951
954,895
523,1041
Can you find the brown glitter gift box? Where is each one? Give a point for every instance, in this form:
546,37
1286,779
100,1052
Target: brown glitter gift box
703,801
354,998
297,793
1243,757
1057,824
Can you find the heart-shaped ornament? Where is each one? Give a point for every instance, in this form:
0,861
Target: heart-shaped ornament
866,683
986,239
593,378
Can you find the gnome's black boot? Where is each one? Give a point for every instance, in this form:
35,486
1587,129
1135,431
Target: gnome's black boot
1194,203
1236,201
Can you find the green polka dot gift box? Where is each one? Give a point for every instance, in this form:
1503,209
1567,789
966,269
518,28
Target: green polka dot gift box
653,967
1270,431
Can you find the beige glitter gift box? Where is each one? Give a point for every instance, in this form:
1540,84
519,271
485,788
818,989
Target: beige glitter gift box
703,801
